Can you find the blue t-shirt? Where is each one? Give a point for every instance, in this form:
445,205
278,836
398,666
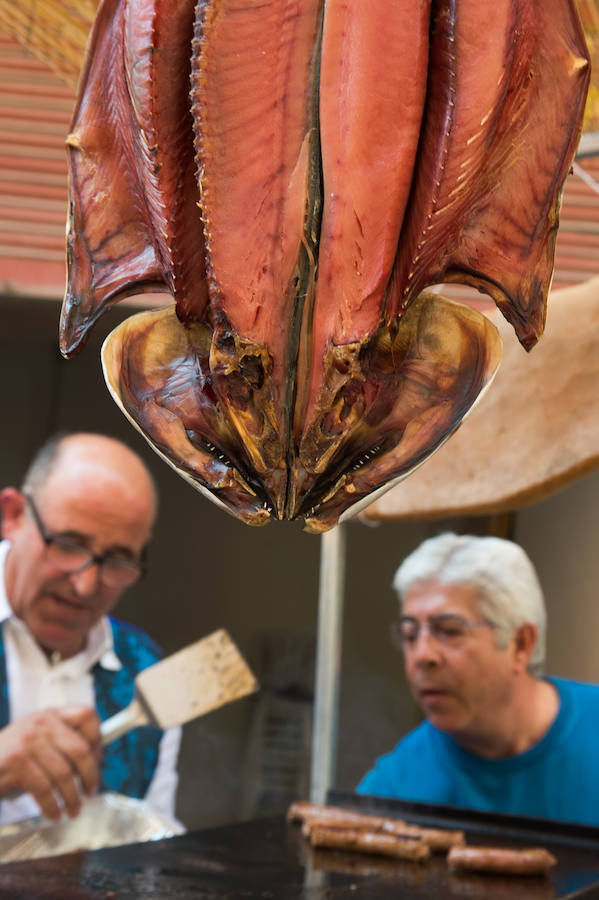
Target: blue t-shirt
558,778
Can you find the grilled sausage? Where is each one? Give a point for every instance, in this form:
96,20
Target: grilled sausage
313,814
501,860
369,842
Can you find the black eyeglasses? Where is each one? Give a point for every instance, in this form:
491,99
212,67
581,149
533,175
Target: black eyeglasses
448,629
70,557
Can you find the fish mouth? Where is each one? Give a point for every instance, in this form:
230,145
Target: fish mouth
385,405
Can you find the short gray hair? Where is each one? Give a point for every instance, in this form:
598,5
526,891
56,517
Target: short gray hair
43,463
48,456
503,576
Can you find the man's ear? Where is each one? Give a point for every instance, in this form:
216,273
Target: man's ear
12,504
525,641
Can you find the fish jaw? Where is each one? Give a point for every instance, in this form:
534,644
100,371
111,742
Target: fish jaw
389,403
158,373
162,375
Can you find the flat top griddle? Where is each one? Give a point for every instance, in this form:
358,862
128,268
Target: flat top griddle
268,859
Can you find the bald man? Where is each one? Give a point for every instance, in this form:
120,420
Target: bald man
74,538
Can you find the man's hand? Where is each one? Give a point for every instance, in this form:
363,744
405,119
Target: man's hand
53,755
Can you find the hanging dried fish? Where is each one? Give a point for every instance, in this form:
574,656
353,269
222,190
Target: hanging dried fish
295,174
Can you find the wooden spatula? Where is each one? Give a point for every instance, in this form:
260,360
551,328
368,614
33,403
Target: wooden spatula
191,682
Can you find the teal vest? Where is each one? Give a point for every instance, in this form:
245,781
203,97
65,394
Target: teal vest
128,763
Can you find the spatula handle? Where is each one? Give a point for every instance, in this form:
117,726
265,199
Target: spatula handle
123,721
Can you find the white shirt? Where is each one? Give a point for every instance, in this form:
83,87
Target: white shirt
34,683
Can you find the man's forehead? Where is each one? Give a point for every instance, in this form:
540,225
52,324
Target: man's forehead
81,469
79,458
90,499
432,596
76,485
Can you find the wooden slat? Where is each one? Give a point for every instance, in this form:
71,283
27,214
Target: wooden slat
35,114
55,31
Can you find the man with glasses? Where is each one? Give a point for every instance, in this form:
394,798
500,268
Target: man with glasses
74,539
497,735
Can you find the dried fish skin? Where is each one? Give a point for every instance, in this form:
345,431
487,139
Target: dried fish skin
157,41
497,143
110,246
514,264
134,223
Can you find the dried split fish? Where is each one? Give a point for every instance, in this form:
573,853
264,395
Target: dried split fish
295,174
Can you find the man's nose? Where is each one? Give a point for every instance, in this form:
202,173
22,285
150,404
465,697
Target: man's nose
86,581
425,647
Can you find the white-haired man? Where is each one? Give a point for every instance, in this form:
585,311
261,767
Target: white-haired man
498,735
